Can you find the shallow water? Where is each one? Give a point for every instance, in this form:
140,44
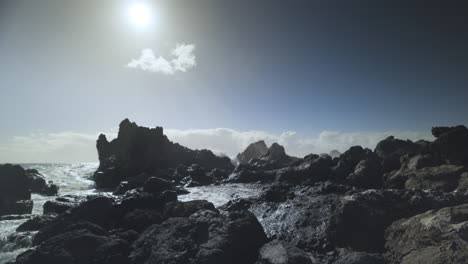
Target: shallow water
75,179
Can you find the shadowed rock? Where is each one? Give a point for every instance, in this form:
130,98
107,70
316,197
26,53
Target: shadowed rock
140,149
253,151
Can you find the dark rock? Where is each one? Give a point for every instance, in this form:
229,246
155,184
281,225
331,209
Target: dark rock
35,223
280,252
274,158
56,207
451,144
367,174
186,209
61,226
39,185
390,150
77,246
140,219
139,149
204,237
157,185
437,236
311,169
15,192
128,235
361,219
253,151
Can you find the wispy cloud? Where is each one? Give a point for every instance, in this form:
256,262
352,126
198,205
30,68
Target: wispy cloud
79,147
182,59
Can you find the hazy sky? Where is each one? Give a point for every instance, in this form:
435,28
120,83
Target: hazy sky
314,75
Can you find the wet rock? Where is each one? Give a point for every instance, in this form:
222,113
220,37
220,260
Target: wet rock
186,209
253,151
436,236
205,237
157,185
39,185
35,223
63,225
279,252
56,207
15,192
139,149
77,246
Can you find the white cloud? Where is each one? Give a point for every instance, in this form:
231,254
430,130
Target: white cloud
183,59
79,147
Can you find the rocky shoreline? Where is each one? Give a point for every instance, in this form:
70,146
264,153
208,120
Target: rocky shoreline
404,202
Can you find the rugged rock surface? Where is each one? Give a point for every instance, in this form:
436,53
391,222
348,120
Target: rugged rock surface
274,158
204,237
437,236
15,192
253,151
38,184
139,149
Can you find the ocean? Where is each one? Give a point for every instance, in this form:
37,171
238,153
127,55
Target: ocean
74,179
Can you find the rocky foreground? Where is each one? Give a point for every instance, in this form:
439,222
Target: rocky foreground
404,202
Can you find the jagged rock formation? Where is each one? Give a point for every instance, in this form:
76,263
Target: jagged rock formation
140,149
274,158
16,186
404,202
253,151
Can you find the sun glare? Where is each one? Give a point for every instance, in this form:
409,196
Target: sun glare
140,14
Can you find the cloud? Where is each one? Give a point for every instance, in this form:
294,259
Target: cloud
80,147
183,59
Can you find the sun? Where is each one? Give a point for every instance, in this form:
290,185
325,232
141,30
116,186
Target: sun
140,14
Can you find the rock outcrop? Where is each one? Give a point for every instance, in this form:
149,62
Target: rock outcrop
253,151
437,236
140,149
15,191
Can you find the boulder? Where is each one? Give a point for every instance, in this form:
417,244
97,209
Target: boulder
452,144
77,246
391,149
140,149
204,237
437,236
39,185
362,217
157,185
253,151
36,223
15,193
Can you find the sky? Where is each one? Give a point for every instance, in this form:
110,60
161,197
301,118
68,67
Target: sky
312,75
